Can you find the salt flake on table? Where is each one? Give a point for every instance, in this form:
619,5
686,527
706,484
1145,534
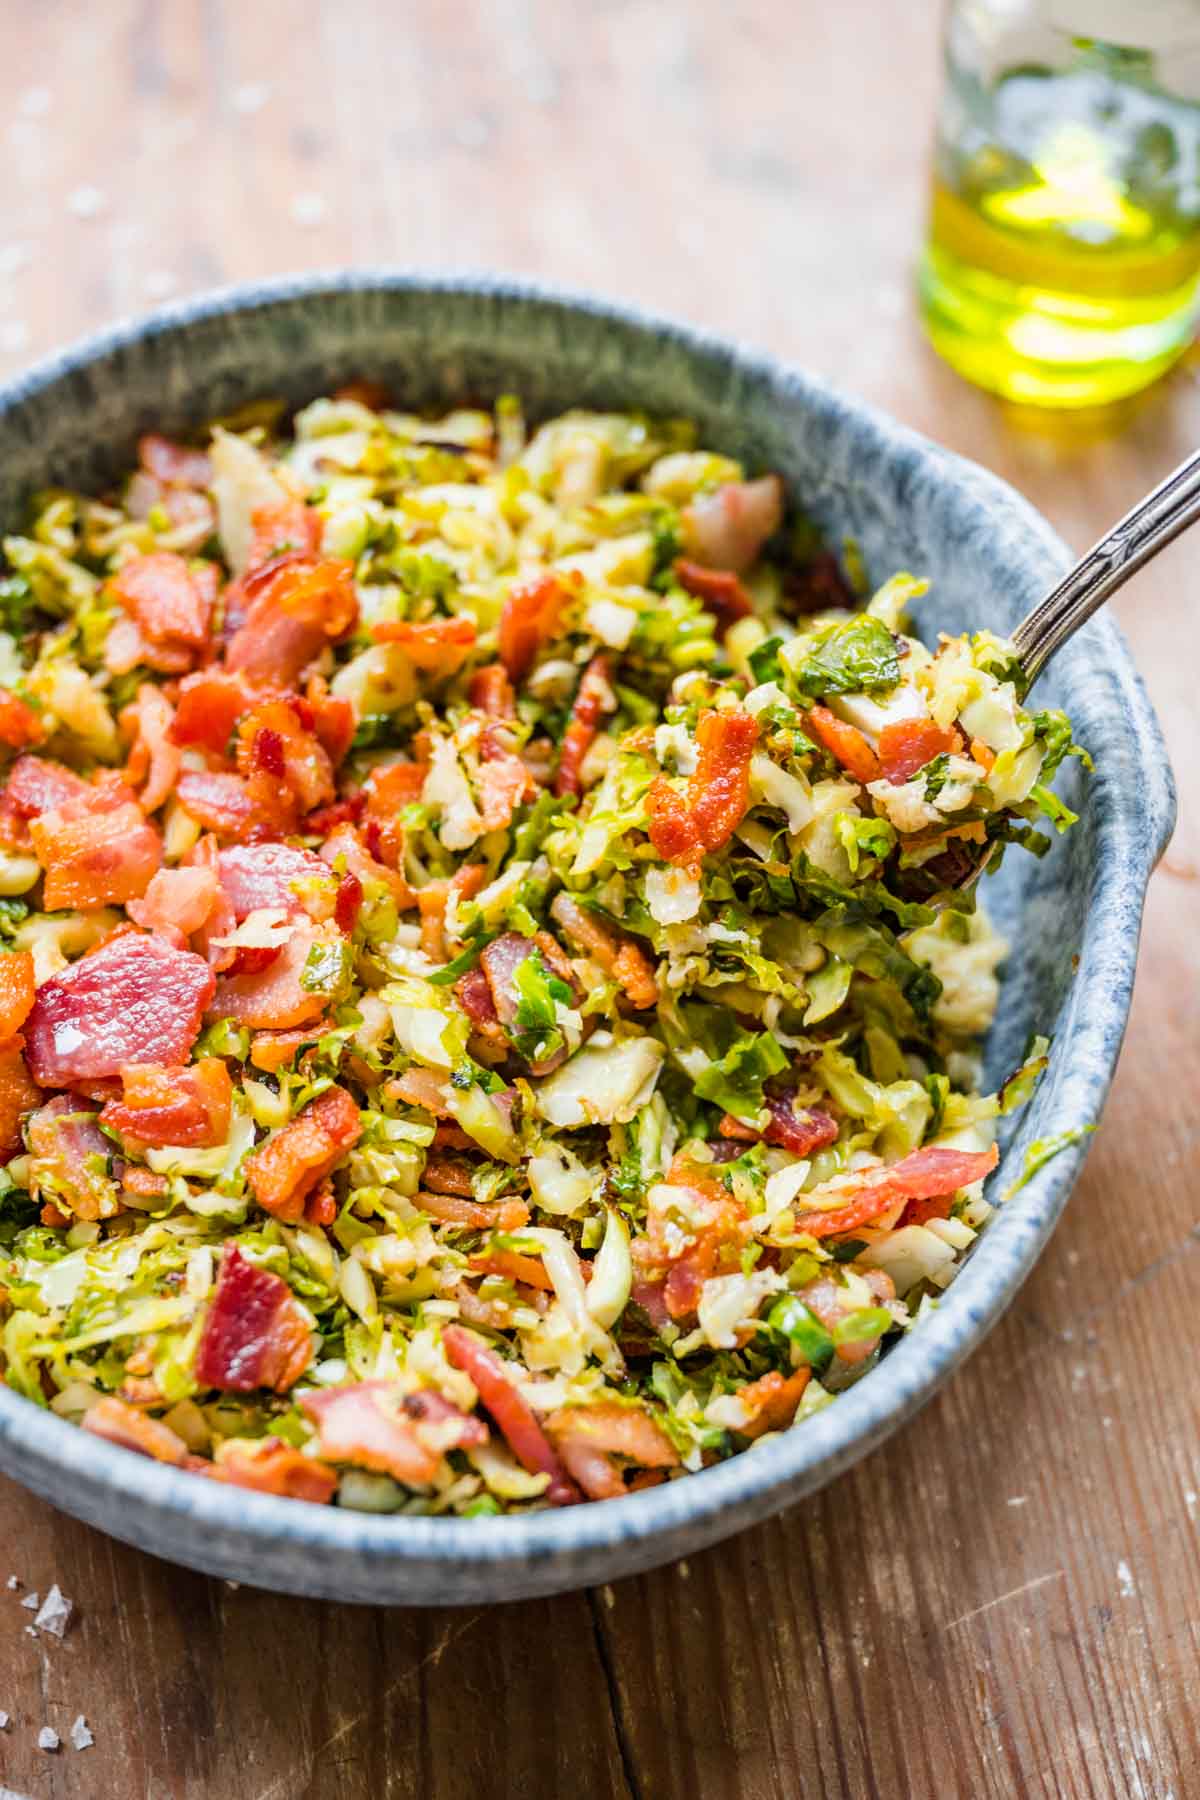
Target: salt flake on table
3,1721
31,1602
48,1738
56,1612
81,1737
13,1583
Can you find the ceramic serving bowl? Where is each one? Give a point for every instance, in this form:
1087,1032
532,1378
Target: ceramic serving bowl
1072,920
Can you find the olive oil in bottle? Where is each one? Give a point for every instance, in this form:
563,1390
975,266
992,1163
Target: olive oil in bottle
1063,261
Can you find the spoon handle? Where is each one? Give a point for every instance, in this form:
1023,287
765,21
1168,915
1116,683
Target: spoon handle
1152,524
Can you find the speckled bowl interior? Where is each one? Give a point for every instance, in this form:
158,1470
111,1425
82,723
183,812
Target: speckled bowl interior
1072,919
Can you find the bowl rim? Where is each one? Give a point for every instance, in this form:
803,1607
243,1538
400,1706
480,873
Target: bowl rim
1135,825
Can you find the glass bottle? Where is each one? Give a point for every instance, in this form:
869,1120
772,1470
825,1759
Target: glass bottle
1062,266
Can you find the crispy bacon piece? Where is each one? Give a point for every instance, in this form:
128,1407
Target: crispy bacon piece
438,647
347,903
270,1050
802,1133
209,706
220,803
295,605
132,999
475,1215
281,529
684,826
617,954
255,1333
830,1302
503,783
727,528
771,1401
845,742
20,723
388,791
282,1171
177,900
713,1247
490,691
191,1105
69,1158
175,465
594,698
274,998
266,875
365,392
907,745
983,754
720,590
17,991
529,619
448,1175
154,759
270,1466
368,1425
38,784
331,719
123,1424
590,1438
97,849
433,899
18,1095
170,603
274,747
510,1410
924,1175
513,1266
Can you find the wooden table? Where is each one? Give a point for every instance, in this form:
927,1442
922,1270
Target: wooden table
1005,1601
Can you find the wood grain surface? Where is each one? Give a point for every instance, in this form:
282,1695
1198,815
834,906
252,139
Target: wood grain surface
1006,1600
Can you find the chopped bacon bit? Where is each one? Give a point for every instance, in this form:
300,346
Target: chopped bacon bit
907,745
18,1095
132,999
179,900
364,392
511,1412
448,1175
69,1158
720,590
274,998
514,1267
123,1424
438,647
295,606
255,1333
143,1183
844,742
366,1424
254,876
983,754
529,619
18,991
282,1171
154,759
286,527
333,720
713,1247
594,698
170,604
191,1105
490,691
174,464
220,803
802,1133
20,723
617,954
684,826
272,1467
924,1175
388,791
209,706
772,1400
919,1212
347,903
420,1087
37,784
503,783
97,849
477,1215
286,771
271,1050
448,1136
726,529
590,1437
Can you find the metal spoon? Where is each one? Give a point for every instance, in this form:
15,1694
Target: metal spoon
1148,528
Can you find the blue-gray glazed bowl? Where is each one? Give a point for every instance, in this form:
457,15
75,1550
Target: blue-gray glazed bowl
1073,919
